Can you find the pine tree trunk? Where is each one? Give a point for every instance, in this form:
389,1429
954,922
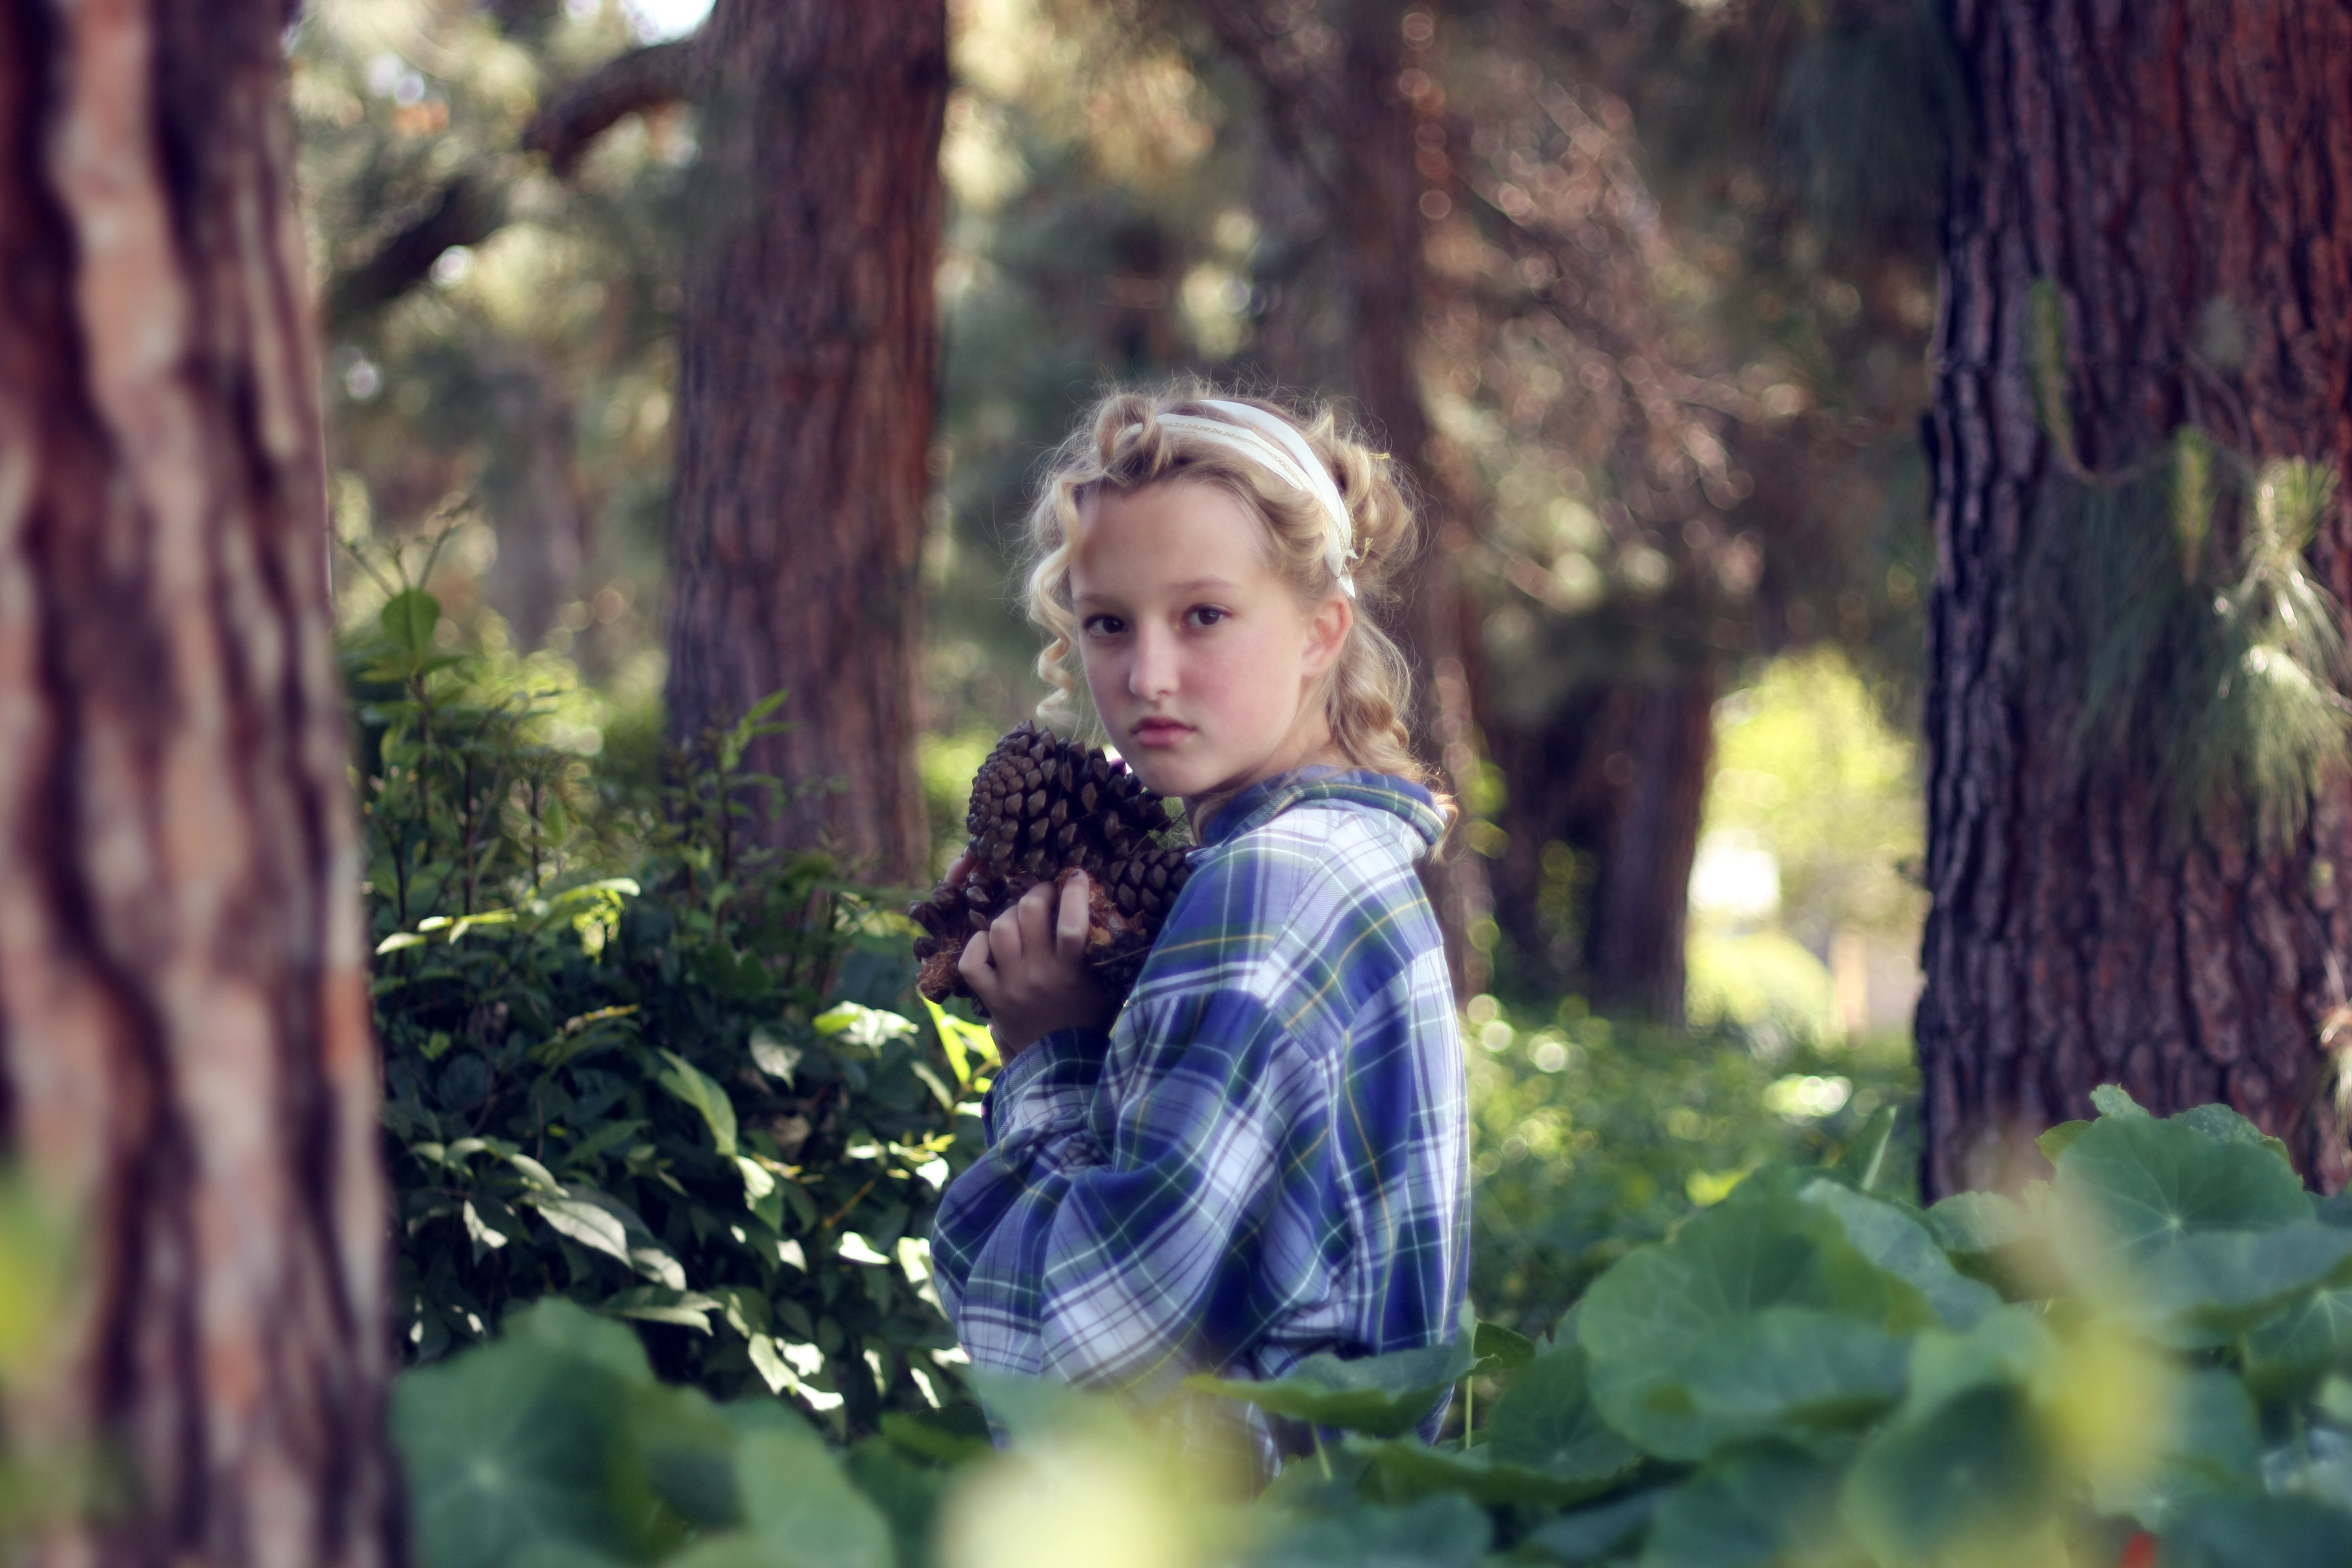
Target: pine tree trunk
1380,231
808,358
186,1070
2173,167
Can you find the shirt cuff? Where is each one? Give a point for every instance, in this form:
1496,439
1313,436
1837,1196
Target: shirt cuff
1047,1089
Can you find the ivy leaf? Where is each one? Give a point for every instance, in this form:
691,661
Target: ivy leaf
699,1089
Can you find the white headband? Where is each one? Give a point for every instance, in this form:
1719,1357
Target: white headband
1274,444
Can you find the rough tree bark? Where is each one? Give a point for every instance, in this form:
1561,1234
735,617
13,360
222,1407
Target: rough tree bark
186,1063
807,367
2151,160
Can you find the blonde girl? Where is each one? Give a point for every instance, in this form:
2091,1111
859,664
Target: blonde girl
1261,1155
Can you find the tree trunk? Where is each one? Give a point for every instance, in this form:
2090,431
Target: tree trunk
808,355
186,1067
2183,172
1619,782
1378,232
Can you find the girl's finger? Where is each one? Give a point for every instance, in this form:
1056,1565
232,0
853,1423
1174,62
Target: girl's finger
960,870
1035,910
977,967
1004,943
1070,929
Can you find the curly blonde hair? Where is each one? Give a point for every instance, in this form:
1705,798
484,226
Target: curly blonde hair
1122,445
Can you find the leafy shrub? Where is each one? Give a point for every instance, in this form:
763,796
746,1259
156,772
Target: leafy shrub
634,1057
1594,1135
2148,1357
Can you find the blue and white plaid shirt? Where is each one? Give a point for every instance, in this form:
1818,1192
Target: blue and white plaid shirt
1267,1154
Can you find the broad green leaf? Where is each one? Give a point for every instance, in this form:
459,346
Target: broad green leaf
2209,1285
860,1026
1499,1349
2111,1099
2057,1139
2220,1122
408,619
2299,1342
687,1447
793,1493
1546,1420
585,1223
1032,1407
516,1443
1595,1533
1898,1243
1972,1471
2208,1445
1979,1223
1380,1395
562,1325
2257,1532
1411,1469
1757,1316
2145,1184
1446,1532
1759,1507
700,1090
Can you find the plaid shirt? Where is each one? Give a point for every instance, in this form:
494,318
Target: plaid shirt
1267,1155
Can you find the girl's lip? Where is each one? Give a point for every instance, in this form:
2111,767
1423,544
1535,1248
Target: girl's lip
1159,732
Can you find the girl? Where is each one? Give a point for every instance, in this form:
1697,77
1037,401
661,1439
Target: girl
1262,1155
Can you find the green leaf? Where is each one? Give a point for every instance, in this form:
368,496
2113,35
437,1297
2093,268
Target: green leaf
2208,1445
514,1444
1546,1420
1979,1223
1864,1162
951,1435
700,1090
1971,1472
2148,1183
2299,1342
2219,1122
1753,1509
2058,1139
1411,1469
408,619
566,1327
1900,1244
1499,1349
659,1304
2257,1532
1759,1318
2113,1099
860,1026
1591,1534
2209,1285
1445,1531
1382,1396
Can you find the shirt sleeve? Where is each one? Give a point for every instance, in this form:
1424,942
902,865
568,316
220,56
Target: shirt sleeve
1110,1239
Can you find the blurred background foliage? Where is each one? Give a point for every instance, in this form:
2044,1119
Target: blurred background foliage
1675,287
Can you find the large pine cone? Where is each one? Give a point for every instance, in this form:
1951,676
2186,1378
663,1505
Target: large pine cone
1042,809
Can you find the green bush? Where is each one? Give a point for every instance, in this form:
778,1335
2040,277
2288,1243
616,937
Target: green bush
2149,1350
634,1057
1594,1135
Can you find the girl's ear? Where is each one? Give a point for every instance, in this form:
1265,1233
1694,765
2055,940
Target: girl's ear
1327,634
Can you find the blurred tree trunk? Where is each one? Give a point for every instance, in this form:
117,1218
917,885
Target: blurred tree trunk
1339,112
808,356
185,1066
2183,174
1618,782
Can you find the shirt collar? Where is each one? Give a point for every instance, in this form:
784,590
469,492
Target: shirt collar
1268,798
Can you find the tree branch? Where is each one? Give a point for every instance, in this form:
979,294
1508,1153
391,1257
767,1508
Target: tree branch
470,208
464,213
643,79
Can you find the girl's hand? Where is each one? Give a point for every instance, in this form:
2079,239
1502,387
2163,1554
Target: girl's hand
1030,967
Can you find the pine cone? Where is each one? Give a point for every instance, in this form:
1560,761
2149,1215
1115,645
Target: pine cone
1042,809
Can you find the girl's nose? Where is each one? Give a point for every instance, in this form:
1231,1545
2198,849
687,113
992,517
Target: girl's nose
1153,674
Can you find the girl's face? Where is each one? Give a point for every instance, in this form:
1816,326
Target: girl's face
1202,662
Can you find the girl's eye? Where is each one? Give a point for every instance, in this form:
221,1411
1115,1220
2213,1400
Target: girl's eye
1205,615
1104,625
